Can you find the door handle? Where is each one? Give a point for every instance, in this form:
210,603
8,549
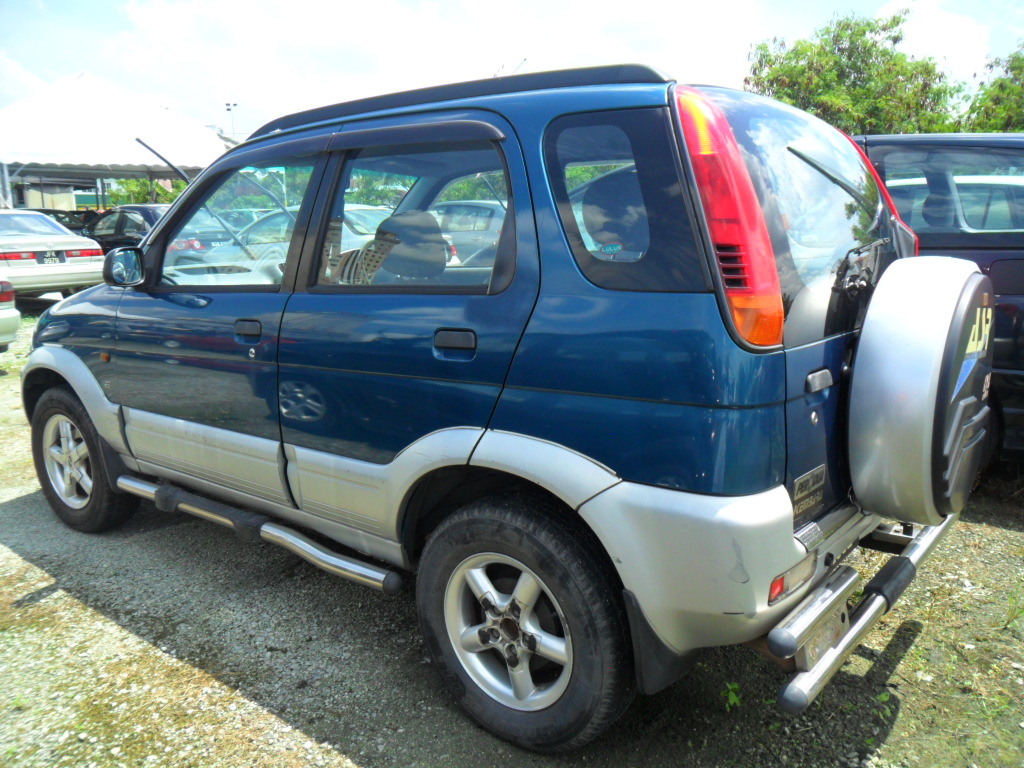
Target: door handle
818,380
248,330
455,339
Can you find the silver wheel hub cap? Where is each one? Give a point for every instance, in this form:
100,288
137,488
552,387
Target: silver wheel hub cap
67,461
508,631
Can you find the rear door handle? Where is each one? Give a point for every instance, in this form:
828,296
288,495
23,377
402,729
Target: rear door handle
455,339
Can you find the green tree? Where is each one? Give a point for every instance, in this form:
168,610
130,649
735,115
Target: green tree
850,74
144,191
999,103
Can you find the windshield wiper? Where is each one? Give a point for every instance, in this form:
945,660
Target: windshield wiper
835,178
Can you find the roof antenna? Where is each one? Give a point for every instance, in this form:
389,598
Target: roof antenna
167,162
502,67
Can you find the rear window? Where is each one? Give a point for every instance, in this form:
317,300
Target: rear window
956,189
823,209
30,224
615,179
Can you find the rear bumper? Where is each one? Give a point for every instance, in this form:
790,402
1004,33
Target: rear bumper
54,277
697,570
701,567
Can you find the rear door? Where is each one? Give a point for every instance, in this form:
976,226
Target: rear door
832,237
392,343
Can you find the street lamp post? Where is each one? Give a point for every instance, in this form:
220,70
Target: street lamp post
230,107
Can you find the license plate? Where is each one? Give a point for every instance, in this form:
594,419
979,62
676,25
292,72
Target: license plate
50,257
826,637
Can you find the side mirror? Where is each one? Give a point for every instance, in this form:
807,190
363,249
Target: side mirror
123,267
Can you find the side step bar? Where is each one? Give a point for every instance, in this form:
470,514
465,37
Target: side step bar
799,635
252,526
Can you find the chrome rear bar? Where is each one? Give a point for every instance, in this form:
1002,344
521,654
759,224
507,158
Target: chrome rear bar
879,596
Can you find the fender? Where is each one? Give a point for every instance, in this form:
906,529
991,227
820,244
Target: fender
571,476
105,415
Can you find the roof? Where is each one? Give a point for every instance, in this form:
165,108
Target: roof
618,74
55,132
946,139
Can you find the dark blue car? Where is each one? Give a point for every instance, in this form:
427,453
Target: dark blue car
689,374
963,194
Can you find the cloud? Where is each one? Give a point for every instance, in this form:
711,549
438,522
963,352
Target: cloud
958,43
272,58
16,82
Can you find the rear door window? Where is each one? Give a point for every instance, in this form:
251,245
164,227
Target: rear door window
828,225
616,181
388,231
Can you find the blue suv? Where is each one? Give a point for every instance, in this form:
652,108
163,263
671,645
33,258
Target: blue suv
689,375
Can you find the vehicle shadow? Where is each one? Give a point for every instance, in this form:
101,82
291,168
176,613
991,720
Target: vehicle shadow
346,665
999,497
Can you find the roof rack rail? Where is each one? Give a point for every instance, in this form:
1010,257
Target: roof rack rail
538,81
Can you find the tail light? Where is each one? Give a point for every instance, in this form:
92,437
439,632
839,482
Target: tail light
17,256
84,253
186,244
885,194
6,292
738,230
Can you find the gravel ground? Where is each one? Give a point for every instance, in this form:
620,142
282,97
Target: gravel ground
170,643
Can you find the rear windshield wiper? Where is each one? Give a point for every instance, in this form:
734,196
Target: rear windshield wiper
836,179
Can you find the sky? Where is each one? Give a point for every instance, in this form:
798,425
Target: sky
274,57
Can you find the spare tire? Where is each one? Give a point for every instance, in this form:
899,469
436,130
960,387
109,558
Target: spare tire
918,413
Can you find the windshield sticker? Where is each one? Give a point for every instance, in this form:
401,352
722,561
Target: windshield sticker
610,249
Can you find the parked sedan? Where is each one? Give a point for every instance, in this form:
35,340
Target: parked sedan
124,225
39,255
10,317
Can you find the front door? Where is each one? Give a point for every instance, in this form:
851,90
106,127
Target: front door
197,348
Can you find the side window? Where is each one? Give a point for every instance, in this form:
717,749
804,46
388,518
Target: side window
106,225
620,198
241,231
132,223
389,232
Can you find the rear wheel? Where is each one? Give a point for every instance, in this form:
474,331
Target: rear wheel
525,624
69,465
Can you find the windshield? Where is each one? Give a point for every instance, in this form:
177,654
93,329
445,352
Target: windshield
30,224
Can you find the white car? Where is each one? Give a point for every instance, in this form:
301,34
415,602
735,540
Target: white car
10,317
39,255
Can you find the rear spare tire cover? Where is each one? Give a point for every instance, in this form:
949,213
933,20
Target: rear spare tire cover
918,414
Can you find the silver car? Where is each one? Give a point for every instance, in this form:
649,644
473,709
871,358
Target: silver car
10,317
40,255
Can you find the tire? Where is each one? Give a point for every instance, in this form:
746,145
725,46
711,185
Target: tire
918,412
550,676
69,464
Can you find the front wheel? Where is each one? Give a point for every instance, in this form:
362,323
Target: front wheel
525,622
69,465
